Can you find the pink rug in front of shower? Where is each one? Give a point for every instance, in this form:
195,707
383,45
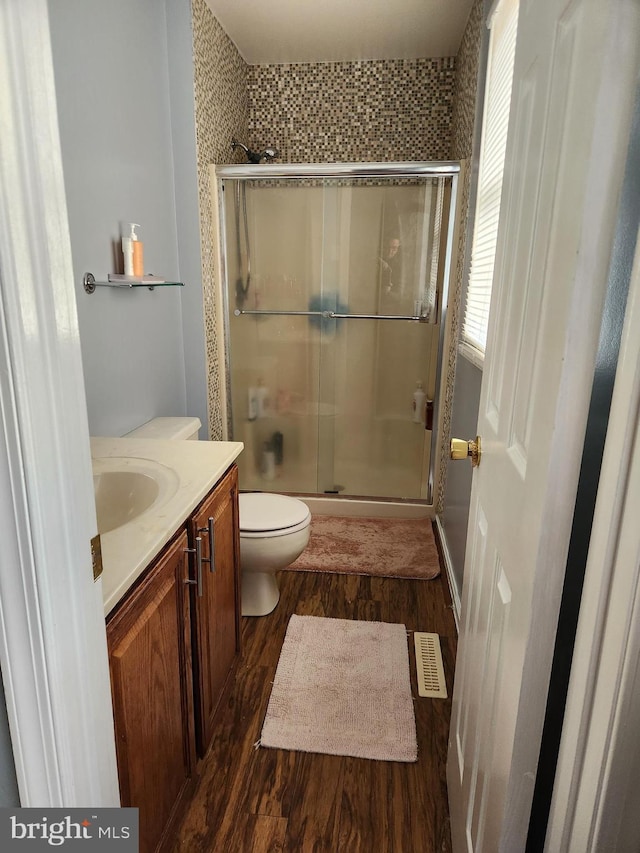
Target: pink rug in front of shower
386,547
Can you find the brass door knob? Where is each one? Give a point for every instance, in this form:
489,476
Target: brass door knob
461,449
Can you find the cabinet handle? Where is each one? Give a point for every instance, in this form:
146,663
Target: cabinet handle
211,559
198,552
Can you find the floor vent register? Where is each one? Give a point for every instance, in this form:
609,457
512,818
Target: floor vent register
431,680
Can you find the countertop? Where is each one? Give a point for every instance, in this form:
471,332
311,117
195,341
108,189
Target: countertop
129,549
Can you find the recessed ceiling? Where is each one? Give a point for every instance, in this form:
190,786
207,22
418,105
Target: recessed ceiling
275,31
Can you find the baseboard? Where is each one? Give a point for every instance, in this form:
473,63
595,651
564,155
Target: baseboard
352,508
441,539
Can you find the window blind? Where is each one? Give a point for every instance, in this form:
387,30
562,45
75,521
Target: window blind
495,124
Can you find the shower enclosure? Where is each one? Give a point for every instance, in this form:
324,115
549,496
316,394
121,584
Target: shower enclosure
335,281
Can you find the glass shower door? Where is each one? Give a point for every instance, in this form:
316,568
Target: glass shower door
273,265
380,260
322,275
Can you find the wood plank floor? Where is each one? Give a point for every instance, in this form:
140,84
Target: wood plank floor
252,800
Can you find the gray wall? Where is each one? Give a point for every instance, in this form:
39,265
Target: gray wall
468,378
112,70
464,420
183,130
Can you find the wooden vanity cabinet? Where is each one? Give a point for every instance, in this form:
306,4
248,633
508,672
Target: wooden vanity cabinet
216,612
149,639
171,654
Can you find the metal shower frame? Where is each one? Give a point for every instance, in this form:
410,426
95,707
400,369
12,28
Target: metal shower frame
297,171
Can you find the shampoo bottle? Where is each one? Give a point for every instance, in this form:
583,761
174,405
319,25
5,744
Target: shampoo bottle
262,394
419,399
277,444
252,404
268,466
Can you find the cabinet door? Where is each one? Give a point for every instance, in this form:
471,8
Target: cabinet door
149,640
216,632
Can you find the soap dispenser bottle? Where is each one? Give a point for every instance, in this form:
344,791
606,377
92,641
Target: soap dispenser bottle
127,248
138,250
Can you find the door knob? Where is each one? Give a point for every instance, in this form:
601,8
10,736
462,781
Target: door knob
461,449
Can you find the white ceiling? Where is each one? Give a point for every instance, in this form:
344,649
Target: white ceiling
274,31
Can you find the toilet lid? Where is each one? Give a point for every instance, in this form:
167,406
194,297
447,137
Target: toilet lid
261,511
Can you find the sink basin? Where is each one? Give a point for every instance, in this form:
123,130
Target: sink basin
125,488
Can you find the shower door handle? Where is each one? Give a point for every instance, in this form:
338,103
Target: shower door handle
428,415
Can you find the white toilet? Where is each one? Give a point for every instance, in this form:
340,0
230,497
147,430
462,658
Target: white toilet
274,529
166,429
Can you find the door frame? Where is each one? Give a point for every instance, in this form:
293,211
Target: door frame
53,649
599,762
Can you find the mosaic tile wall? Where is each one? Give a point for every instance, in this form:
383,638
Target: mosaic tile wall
465,91
353,111
222,111
462,131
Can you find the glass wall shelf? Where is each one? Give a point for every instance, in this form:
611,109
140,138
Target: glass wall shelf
89,282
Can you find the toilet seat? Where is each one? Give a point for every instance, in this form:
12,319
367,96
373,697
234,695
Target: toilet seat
264,515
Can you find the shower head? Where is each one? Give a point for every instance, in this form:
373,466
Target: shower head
270,154
255,156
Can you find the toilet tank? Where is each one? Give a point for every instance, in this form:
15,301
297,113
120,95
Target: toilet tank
168,428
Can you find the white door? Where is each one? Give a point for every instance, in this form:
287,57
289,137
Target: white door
569,128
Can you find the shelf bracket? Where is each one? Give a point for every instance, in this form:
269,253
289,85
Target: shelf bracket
150,281
89,282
